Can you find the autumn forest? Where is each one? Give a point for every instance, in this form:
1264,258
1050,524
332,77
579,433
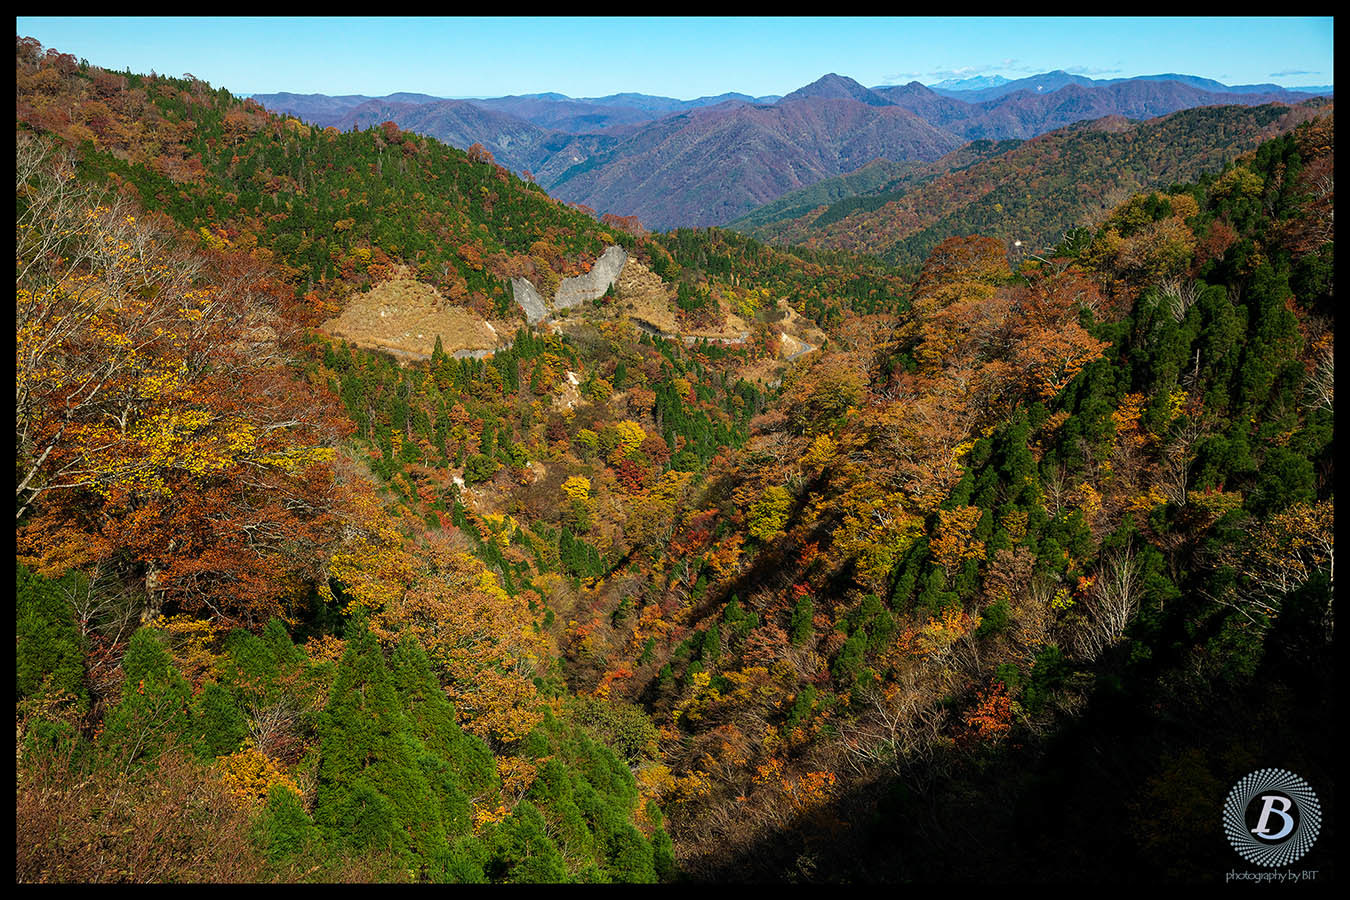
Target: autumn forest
853,545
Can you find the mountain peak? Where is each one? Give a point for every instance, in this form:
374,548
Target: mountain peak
913,87
837,87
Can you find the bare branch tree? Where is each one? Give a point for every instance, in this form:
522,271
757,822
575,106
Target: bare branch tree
1177,457
1111,603
1179,296
1320,388
1057,489
901,730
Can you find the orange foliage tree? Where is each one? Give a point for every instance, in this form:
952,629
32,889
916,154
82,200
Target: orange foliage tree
158,429
991,717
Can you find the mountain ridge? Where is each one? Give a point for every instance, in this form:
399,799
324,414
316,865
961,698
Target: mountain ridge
608,153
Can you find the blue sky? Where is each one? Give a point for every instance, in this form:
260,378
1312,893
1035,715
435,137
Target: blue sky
680,57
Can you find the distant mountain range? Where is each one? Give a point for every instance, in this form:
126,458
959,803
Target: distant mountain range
713,159
993,87
1031,191
964,86
549,111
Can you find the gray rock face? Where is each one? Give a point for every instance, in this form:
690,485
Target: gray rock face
571,291
594,283
529,300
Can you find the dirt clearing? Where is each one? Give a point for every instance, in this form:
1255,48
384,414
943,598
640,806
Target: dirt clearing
405,315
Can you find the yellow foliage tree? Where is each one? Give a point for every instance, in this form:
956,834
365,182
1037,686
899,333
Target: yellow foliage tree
158,430
875,530
250,774
372,564
769,514
577,488
1284,553
953,545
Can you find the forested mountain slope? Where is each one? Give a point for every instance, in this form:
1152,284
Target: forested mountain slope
312,595
327,206
1049,548
1034,191
873,185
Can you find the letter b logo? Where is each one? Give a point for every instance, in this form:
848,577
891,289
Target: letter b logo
1272,817
1272,800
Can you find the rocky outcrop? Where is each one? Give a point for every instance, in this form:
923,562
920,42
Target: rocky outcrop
571,291
529,300
594,283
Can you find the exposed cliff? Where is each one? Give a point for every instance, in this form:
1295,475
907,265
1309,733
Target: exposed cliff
571,291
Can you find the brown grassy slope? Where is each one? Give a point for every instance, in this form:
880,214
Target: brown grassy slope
404,316
643,295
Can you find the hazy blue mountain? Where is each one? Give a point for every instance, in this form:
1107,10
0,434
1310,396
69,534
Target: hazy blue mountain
558,113
1209,84
317,109
1048,82
663,105
977,83
1044,83
405,97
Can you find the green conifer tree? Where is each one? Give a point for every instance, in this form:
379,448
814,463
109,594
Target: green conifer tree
521,852
372,791
222,724
799,623
155,708
284,830
433,721
48,649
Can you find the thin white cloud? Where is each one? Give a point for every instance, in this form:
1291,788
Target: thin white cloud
1288,72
